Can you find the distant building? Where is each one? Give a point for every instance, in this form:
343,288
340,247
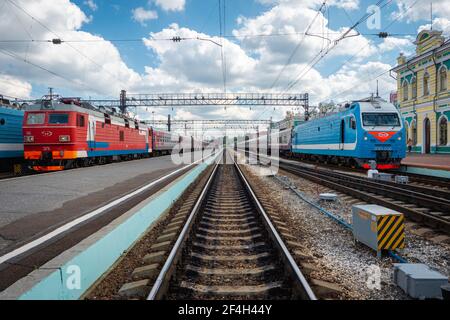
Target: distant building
291,120
423,93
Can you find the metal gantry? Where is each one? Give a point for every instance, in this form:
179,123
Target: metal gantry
206,125
204,99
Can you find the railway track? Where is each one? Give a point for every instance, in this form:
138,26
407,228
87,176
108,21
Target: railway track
430,182
229,249
424,205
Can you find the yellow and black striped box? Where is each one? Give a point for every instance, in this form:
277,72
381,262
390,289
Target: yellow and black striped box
378,227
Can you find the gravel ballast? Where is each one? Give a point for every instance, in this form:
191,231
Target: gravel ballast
337,256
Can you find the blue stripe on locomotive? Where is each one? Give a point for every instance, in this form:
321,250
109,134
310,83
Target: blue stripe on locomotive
322,136
11,138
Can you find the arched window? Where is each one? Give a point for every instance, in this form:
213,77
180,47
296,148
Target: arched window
443,79
414,87
426,83
414,132
443,127
405,90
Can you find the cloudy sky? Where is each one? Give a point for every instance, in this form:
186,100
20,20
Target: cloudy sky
113,45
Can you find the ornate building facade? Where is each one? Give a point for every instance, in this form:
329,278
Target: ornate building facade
423,93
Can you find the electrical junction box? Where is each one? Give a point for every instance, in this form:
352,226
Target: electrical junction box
402,179
383,177
419,281
378,227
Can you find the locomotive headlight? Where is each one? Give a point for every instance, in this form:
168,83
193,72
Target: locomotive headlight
366,138
28,139
399,138
64,138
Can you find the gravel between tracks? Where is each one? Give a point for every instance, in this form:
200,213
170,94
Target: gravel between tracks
337,257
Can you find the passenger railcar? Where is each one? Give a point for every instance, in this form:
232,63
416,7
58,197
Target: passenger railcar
366,130
163,141
65,133
11,140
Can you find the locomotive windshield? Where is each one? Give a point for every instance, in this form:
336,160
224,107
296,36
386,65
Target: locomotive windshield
381,120
58,118
36,118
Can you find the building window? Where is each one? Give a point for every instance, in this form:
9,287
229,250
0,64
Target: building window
426,82
414,132
443,79
414,87
443,131
407,131
405,90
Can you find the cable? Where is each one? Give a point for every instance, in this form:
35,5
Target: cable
221,48
385,29
71,46
321,55
298,46
197,38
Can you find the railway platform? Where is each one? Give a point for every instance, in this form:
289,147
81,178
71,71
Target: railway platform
427,164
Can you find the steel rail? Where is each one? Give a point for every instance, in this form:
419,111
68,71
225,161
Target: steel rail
424,200
162,281
426,218
303,287
300,286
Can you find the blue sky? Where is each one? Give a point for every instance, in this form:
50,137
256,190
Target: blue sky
101,68
113,20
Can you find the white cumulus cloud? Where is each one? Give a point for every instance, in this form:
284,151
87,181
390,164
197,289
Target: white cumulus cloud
91,4
13,87
142,16
171,5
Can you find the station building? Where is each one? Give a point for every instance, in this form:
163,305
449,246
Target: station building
423,93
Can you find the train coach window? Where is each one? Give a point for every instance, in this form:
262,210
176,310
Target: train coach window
122,136
58,118
80,121
381,119
36,118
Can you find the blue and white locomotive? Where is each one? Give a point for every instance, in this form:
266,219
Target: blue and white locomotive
11,138
365,130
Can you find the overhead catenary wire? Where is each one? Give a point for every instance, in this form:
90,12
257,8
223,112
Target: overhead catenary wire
209,38
222,54
58,38
288,62
317,58
378,75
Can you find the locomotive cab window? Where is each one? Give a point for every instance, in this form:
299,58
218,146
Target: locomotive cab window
381,120
80,121
352,123
58,118
36,118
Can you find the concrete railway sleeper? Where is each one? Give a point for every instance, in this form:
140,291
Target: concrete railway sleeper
383,196
229,249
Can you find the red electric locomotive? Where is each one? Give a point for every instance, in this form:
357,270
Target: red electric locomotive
66,133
